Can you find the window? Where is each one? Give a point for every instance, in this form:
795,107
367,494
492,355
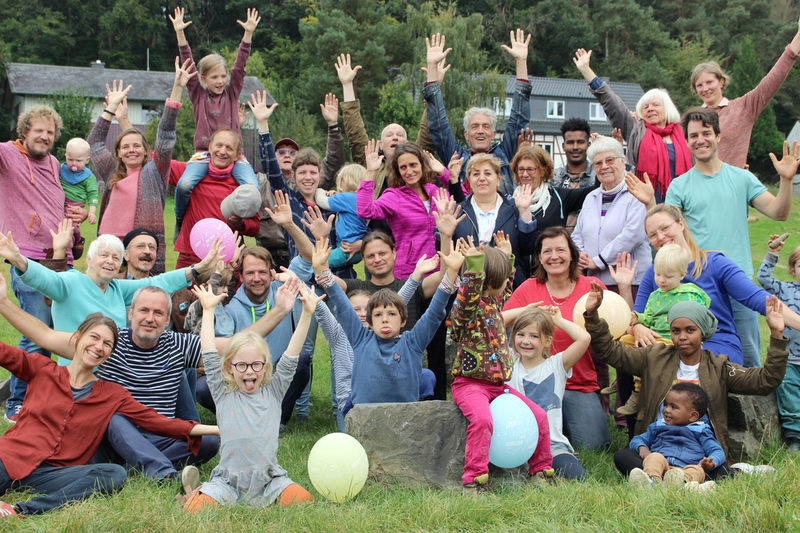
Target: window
548,147
502,108
555,109
596,112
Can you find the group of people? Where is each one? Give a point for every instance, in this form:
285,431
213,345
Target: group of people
487,242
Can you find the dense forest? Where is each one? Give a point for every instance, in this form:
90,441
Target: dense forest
653,42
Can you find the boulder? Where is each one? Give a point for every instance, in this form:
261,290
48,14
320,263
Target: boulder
417,444
753,421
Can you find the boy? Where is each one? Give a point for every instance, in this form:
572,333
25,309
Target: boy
387,365
681,447
78,182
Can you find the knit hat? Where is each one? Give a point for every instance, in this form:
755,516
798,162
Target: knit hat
243,202
698,314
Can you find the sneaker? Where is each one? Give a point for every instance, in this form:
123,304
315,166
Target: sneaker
694,486
639,479
611,389
12,415
190,479
752,470
542,478
631,407
7,510
478,485
674,478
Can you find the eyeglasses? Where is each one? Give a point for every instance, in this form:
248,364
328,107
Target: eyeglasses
608,161
661,231
287,151
241,367
527,170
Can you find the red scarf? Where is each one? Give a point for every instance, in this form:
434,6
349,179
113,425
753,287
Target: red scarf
220,173
654,157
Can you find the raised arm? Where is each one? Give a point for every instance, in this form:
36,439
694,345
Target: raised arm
166,135
249,25
778,207
209,301
179,25
580,338
334,151
354,127
618,113
438,126
102,158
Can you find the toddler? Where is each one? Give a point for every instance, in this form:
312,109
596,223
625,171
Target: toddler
350,227
681,447
78,182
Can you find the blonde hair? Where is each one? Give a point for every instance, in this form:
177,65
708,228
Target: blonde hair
349,177
209,63
25,120
672,258
76,143
477,159
699,256
543,322
235,345
711,67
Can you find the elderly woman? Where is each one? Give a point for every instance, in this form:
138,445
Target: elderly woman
660,365
557,281
611,220
136,186
656,144
486,211
60,473
737,116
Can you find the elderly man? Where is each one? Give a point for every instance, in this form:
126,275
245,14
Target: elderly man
139,257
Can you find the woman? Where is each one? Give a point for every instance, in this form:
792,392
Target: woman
737,116
660,365
406,205
717,275
557,281
135,185
611,219
60,473
656,143
486,211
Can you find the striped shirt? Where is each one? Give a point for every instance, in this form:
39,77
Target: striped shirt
152,375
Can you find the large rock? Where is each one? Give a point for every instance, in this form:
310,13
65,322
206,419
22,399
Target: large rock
417,444
752,422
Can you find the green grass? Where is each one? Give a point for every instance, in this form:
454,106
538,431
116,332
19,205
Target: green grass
604,503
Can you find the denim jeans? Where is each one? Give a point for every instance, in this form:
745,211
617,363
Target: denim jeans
185,403
584,420
746,321
568,466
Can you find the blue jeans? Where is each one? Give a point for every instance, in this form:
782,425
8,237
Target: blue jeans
746,321
31,301
585,420
186,404
158,457
203,394
242,172
568,466
59,485
788,395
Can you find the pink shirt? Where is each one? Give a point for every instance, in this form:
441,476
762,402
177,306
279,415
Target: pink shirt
121,206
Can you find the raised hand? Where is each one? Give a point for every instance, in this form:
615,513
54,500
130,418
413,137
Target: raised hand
467,247
62,237
777,242
115,94
616,133
523,197
452,262
319,225
282,215
345,72
787,166
309,299
553,310
775,316
503,243
595,298
441,70
284,276
286,294
455,164
434,163
519,45
373,157
330,109
8,248
243,113
641,190
525,138
184,72
624,273
582,59
425,265
446,214
208,300
258,105
251,22
322,251
178,24
435,55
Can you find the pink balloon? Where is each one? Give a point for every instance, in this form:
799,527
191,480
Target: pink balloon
203,235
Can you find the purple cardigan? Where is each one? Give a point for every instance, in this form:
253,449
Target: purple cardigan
412,225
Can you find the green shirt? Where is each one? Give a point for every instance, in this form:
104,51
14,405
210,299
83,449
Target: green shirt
660,302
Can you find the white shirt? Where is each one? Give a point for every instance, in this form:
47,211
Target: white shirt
486,221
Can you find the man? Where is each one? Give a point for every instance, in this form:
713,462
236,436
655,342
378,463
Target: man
714,198
139,257
577,172
32,203
479,123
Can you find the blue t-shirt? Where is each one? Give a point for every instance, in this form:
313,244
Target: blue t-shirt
350,227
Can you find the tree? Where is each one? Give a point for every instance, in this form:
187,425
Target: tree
75,107
184,129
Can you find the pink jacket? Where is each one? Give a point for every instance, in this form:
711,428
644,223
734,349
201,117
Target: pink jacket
412,225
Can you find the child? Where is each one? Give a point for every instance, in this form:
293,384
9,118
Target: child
484,362
680,447
248,398
387,365
78,182
350,227
216,106
542,377
788,393
670,266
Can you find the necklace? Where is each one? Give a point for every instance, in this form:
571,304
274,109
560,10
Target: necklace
564,299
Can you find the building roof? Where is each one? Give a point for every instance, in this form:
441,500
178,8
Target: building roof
155,86
569,88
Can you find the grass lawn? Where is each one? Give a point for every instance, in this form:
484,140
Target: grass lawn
604,503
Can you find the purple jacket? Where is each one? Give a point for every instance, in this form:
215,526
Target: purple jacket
621,230
412,225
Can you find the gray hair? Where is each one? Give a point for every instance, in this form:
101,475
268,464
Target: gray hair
105,241
671,113
472,111
604,144
153,288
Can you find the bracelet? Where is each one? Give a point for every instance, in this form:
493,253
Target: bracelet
603,260
195,275
333,128
105,110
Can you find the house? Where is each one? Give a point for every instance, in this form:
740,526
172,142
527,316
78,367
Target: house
553,100
31,84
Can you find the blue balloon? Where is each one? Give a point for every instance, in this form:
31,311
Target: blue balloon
515,434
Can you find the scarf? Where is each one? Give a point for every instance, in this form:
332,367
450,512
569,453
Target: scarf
698,314
654,157
541,197
73,178
220,173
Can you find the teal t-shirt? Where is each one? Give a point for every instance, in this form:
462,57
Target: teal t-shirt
715,208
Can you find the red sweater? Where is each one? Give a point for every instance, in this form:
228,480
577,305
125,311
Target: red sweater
54,429
584,375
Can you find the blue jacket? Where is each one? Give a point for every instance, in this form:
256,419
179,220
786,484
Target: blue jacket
681,445
446,143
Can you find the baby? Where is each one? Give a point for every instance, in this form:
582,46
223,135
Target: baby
78,182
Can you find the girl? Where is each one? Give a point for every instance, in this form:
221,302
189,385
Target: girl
484,363
216,106
789,292
542,377
248,399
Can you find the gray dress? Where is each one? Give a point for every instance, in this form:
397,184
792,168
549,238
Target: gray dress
248,469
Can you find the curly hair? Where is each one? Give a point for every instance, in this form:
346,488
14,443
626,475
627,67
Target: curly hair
25,120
